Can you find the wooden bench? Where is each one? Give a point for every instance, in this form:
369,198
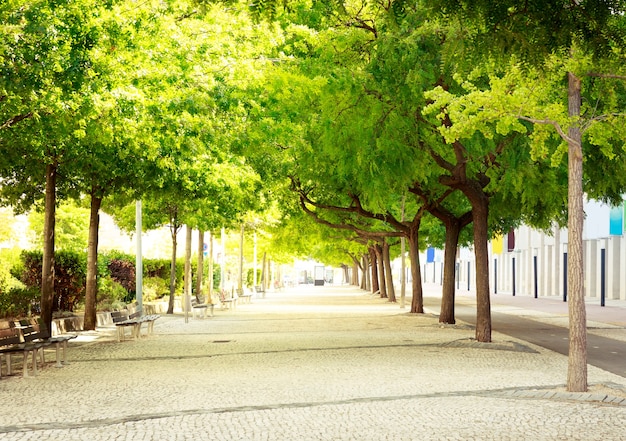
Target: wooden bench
41,334
150,319
227,302
245,297
123,320
12,342
260,290
197,307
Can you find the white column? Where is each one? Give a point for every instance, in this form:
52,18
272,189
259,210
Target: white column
138,258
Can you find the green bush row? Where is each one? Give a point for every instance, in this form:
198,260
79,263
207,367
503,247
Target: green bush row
20,280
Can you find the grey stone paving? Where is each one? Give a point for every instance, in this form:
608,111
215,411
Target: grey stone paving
323,363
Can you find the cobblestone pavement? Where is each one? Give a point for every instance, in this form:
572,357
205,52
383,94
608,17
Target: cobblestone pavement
311,363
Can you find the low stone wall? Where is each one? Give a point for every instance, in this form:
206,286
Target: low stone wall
74,324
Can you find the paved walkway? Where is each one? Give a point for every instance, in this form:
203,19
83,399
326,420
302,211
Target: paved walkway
312,363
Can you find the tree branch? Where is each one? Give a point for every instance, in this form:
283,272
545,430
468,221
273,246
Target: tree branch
554,124
12,121
602,75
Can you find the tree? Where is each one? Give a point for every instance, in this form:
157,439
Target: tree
72,224
44,78
585,34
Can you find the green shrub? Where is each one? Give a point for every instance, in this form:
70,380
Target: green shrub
19,302
156,268
9,258
111,295
69,276
250,276
154,288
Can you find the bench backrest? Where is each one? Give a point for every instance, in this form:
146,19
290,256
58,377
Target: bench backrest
135,315
9,337
30,332
119,316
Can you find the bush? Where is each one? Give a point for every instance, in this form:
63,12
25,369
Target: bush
121,268
123,272
156,268
69,277
19,302
111,295
250,277
154,288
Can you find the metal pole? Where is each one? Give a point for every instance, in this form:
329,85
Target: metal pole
536,275
513,274
210,299
565,277
240,284
602,276
434,272
138,258
223,262
441,275
187,276
403,275
495,275
254,257
457,275
469,269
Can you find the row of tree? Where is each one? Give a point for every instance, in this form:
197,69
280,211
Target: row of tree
383,121
111,102
396,113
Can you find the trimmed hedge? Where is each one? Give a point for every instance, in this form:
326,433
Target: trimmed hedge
116,280
69,277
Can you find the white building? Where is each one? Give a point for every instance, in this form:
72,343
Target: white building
534,263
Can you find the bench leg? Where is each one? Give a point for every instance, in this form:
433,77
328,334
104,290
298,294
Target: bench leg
57,347
137,331
25,367
65,353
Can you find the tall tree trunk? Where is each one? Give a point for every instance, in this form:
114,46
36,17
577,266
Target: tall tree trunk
264,284
174,233
391,292
374,270
365,278
577,360
187,276
91,288
367,274
47,269
381,271
480,214
355,272
446,315
200,270
210,275
417,302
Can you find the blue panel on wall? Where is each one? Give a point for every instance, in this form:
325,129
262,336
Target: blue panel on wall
616,219
430,255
